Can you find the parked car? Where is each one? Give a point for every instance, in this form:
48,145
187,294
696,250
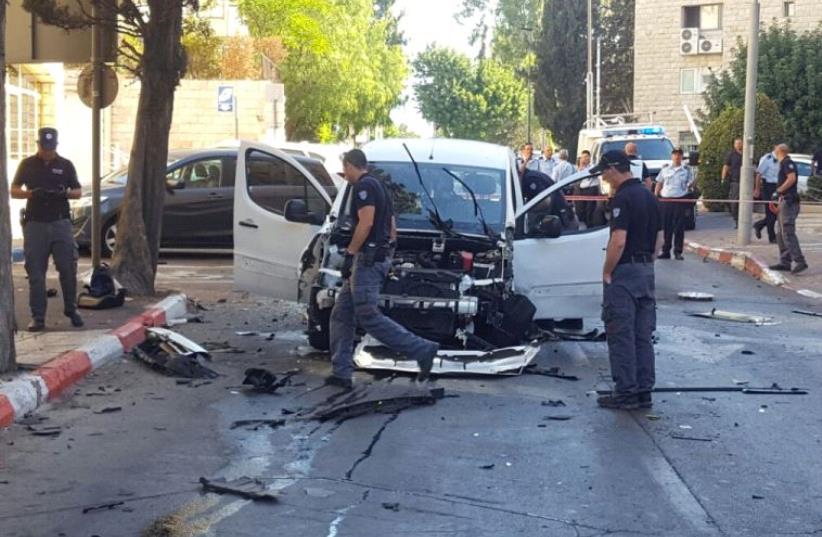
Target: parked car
803,168
466,272
199,203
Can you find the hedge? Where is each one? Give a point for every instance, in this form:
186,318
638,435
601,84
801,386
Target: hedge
718,138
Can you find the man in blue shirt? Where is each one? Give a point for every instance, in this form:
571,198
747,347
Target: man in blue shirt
767,177
673,184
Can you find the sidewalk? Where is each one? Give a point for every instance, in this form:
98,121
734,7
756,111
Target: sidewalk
716,230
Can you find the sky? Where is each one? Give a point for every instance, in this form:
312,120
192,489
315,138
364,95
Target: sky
425,22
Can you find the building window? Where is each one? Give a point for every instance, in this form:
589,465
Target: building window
707,17
693,80
687,81
790,9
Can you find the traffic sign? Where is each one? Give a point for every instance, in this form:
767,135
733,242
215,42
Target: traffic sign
225,99
110,86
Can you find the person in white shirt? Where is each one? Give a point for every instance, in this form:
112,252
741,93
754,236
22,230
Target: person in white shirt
547,163
767,177
526,158
563,168
674,182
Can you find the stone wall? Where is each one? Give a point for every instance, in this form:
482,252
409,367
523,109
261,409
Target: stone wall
197,123
658,61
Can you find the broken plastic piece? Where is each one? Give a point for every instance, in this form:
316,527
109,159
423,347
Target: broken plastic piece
102,507
263,380
371,355
809,313
553,403
245,487
694,438
371,399
391,506
721,315
256,424
173,354
553,372
695,296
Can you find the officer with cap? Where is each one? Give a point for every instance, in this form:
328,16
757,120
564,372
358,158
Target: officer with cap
673,185
629,304
365,267
47,181
787,195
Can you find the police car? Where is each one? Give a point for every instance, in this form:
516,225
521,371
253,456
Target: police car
465,273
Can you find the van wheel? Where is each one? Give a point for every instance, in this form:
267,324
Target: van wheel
319,333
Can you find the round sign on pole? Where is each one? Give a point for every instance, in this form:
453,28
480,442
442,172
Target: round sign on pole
110,86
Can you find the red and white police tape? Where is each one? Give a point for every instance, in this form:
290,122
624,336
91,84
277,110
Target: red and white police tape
29,391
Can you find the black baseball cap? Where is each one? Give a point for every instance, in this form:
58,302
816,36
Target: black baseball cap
678,150
613,158
47,138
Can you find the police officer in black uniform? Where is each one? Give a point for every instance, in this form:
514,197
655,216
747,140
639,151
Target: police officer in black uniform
787,195
532,183
629,303
367,260
48,181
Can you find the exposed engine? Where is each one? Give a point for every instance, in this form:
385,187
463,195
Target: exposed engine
459,298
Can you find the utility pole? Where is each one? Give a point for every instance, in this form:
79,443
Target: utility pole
589,76
96,105
743,236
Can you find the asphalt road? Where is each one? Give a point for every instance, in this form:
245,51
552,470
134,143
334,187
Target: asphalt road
700,464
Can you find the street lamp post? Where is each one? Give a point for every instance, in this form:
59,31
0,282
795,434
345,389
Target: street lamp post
743,236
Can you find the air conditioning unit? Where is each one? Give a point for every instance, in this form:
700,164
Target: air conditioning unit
710,46
689,41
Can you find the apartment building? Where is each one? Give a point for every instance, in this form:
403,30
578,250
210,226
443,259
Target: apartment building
678,44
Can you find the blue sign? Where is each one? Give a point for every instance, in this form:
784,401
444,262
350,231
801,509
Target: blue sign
225,99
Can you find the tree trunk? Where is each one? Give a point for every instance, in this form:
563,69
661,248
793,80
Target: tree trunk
140,221
7,352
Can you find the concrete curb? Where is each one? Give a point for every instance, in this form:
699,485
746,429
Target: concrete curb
29,391
742,261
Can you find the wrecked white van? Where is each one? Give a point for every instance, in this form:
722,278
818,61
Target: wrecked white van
476,268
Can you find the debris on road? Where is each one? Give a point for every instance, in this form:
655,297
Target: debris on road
244,487
372,399
553,372
173,354
748,353
186,320
103,507
487,466
109,410
263,380
268,336
553,403
222,346
695,296
557,418
254,425
808,313
558,334
391,506
51,430
758,320
693,438
774,389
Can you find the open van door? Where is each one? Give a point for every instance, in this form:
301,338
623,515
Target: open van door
560,274
278,208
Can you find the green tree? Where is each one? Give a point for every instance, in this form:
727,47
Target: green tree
616,30
479,100
159,62
718,138
343,71
790,73
559,96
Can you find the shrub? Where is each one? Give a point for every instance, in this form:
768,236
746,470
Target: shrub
718,139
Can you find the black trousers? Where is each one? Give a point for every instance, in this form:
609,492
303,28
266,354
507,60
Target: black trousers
673,225
770,219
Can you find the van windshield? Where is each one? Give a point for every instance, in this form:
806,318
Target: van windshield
650,149
453,202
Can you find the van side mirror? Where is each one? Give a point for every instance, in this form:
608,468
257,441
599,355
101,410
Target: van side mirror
693,158
296,210
550,227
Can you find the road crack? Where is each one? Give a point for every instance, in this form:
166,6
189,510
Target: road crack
370,449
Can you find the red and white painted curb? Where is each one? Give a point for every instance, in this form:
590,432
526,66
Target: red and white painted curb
743,261
27,392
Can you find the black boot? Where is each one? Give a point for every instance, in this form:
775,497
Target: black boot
618,401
